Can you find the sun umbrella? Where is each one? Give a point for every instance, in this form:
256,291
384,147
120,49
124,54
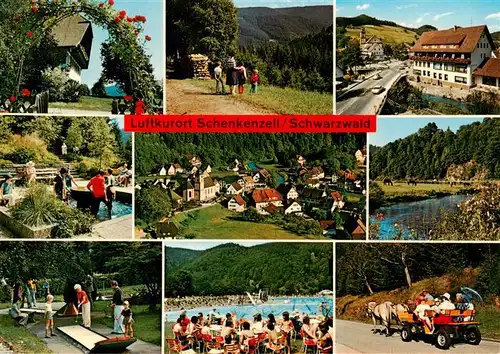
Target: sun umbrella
471,293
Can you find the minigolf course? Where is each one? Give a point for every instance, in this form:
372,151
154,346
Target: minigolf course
94,342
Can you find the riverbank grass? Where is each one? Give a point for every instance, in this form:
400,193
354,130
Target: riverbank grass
399,190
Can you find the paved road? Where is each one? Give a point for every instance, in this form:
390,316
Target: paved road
360,100
355,337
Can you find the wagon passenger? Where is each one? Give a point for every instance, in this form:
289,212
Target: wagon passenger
445,304
422,306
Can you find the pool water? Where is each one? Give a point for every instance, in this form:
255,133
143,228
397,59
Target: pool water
276,306
119,209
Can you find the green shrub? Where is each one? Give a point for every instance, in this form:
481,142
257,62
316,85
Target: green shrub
21,155
60,86
72,222
39,207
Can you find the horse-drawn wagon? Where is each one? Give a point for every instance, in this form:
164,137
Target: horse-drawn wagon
447,328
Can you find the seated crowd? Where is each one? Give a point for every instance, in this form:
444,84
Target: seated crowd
425,303
233,335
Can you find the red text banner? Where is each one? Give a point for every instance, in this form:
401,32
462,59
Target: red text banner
251,124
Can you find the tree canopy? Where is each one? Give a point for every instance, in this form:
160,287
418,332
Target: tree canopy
366,268
207,27
219,150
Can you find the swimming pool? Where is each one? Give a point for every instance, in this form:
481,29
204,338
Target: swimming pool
276,306
119,209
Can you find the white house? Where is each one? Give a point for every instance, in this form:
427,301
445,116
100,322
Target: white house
371,47
237,204
171,170
234,188
450,57
488,74
264,197
163,171
248,183
288,191
338,201
74,35
293,208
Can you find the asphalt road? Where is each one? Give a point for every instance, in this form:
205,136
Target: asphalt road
355,338
361,100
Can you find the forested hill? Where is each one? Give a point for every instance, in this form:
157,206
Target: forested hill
219,150
283,268
175,257
281,24
496,38
430,152
364,20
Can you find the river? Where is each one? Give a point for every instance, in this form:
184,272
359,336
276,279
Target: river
449,101
418,216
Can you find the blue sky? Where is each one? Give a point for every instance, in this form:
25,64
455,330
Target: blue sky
203,245
153,10
391,129
415,13
280,3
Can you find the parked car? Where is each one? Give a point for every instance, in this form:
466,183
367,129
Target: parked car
377,76
377,89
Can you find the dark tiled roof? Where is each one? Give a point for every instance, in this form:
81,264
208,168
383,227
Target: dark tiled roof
208,182
236,186
70,31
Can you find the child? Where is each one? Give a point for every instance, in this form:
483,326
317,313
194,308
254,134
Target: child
254,81
242,77
127,319
49,318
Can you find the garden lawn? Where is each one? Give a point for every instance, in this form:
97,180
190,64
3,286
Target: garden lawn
147,326
281,100
127,290
22,340
214,223
422,189
87,103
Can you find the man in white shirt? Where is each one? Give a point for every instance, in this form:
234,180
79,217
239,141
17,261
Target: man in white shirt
218,79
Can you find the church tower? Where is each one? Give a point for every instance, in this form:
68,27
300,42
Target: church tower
362,36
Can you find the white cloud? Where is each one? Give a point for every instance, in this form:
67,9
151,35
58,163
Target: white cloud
338,9
490,16
437,17
362,7
406,6
420,19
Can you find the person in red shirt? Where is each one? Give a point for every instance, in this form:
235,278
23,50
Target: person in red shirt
254,81
84,304
97,186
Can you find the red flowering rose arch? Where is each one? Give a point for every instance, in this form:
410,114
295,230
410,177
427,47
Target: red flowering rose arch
36,17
